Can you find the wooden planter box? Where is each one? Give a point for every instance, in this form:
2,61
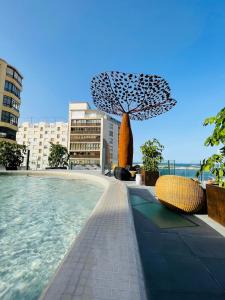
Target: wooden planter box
149,178
216,203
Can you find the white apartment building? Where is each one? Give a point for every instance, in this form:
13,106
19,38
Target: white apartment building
37,137
93,136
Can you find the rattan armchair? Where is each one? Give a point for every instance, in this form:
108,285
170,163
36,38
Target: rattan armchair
180,193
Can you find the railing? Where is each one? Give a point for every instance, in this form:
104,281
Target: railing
95,154
85,125
90,130
74,139
170,167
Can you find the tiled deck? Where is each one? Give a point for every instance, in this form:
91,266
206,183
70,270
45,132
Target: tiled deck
180,263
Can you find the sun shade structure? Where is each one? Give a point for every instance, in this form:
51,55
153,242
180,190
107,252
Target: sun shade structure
132,96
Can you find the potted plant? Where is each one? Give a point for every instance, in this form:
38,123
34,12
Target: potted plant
11,155
152,156
216,165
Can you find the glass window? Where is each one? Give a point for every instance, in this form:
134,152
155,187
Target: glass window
10,102
9,118
10,87
12,73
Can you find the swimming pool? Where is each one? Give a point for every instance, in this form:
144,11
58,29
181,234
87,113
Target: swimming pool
39,219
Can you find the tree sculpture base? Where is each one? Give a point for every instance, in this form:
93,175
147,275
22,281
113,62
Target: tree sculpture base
125,143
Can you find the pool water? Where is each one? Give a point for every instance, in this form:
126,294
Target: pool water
39,219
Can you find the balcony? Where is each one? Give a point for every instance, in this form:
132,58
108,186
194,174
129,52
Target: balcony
84,140
88,154
85,130
85,125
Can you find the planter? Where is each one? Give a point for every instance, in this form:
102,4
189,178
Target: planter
216,203
149,178
122,174
11,168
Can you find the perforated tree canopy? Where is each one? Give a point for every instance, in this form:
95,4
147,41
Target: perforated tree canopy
141,96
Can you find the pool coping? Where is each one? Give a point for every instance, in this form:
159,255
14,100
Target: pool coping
103,261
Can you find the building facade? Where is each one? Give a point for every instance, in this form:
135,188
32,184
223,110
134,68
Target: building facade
10,89
93,136
38,138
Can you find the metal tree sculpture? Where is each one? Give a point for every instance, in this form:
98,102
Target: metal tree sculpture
133,96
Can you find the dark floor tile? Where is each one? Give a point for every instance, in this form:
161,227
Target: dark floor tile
161,295
178,273
165,243
217,268
213,247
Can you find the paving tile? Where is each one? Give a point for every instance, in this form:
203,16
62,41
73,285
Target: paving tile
66,297
217,268
162,295
177,273
167,243
213,247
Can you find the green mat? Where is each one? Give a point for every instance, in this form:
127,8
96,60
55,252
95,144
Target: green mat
136,200
159,214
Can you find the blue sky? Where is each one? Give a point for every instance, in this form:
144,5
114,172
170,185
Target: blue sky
59,45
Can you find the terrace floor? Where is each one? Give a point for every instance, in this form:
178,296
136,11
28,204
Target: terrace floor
178,262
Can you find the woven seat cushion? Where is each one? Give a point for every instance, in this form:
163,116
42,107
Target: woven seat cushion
180,193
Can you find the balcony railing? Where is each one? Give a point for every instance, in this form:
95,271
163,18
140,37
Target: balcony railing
94,154
85,125
75,139
85,130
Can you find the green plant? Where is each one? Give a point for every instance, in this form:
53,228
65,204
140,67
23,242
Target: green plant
152,155
58,156
216,163
11,155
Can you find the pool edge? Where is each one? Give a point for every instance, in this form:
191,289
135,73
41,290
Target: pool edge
94,241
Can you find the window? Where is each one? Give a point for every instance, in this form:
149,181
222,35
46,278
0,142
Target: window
10,87
111,133
9,118
10,102
40,143
41,129
12,73
39,151
58,128
41,136
46,132
58,136
24,135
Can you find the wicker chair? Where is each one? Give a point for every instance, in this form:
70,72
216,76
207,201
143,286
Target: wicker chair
180,193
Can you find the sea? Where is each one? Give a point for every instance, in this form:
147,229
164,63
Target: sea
182,169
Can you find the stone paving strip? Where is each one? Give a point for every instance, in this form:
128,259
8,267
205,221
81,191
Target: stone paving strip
103,262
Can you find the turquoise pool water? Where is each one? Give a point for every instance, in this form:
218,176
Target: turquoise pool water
39,219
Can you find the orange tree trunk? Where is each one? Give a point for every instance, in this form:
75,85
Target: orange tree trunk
125,143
